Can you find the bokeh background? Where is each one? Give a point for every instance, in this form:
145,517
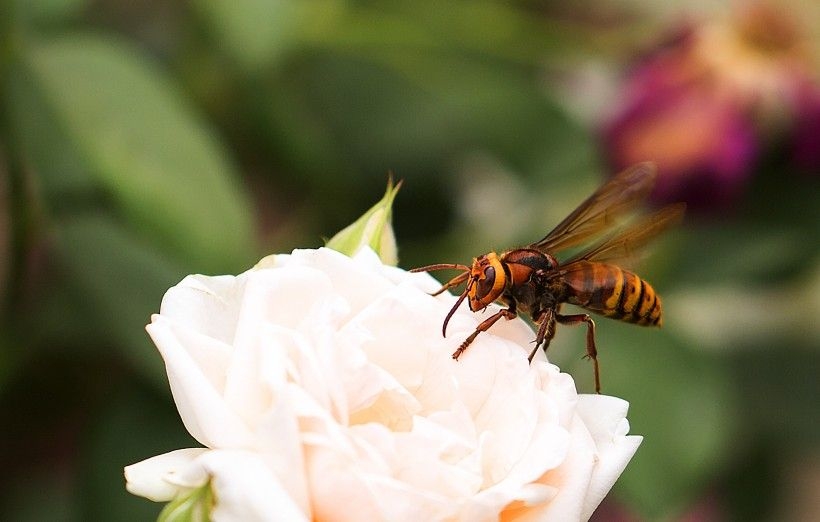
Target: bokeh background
142,141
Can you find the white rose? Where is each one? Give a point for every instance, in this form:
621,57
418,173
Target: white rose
322,389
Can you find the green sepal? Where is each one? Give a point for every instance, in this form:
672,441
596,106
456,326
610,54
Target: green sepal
192,506
373,229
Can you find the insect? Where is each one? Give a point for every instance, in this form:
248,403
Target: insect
531,280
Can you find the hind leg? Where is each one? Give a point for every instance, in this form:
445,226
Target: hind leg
592,352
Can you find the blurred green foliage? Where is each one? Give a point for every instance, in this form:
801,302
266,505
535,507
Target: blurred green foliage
142,142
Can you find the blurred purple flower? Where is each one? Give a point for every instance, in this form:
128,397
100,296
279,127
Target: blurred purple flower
806,141
706,104
704,148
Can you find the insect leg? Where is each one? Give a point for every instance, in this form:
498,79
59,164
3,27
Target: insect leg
483,327
592,352
457,280
546,331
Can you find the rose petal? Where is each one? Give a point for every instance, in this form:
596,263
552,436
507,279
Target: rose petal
207,353
408,351
150,478
208,305
246,489
279,444
361,481
605,418
203,410
345,274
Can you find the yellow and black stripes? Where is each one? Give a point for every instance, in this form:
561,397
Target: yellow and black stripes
609,290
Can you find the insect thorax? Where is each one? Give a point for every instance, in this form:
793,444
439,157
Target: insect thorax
526,282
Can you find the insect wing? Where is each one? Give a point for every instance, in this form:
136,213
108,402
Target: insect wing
601,210
626,244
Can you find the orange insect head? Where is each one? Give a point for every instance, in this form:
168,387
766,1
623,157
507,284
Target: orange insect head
487,281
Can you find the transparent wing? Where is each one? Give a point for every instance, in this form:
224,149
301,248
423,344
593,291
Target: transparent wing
602,209
626,244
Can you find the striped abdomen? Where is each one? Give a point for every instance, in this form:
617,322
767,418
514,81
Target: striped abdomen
613,292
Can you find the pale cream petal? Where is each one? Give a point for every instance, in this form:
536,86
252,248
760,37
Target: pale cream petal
153,478
246,490
605,418
269,261
201,406
396,342
571,479
208,305
353,487
355,279
279,444
210,355
546,449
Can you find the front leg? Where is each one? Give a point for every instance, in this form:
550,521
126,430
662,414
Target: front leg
507,313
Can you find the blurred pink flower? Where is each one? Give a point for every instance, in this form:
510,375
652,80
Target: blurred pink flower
709,102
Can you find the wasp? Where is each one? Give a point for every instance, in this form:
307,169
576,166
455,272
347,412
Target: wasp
533,281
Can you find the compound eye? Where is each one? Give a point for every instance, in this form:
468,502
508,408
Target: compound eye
485,286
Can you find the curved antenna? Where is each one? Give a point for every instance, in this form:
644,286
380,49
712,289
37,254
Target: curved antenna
441,266
457,280
455,307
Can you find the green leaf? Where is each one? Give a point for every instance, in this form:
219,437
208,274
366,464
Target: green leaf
48,11
142,144
255,32
373,229
194,506
115,282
